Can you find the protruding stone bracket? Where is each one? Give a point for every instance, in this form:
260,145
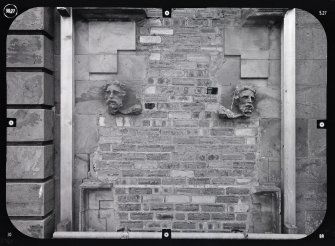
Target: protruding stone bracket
87,186
274,192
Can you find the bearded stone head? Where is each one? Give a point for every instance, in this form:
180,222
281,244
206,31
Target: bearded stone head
115,92
244,98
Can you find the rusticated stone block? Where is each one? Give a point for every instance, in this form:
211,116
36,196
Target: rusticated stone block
36,228
29,199
34,19
29,88
29,51
29,162
31,125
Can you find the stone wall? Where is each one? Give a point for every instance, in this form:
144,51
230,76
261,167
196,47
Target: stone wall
311,76
29,166
177,165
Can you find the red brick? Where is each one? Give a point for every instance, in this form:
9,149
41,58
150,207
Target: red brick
184,225
158,157
226,199
222,216
241,217
190,207
198,216
164,216
180,216
129,207
199,181
141,216
238,191
140,191
161,207
131,224
128,198
149,181
132,173
213,208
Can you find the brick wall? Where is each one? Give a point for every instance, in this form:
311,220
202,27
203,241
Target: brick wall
29,166
177,165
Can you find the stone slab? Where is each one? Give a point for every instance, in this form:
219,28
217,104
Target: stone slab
30,199
270,137
161,31
36,228
233,41
30,88
81,67
301,138
317,140
255,39
29,51
311,72
132,67
311,170
31,125
86,143
108,37
34,19
29,162
150,39
254,68
268,102
311,43
81,38
81,166
103,63
226,71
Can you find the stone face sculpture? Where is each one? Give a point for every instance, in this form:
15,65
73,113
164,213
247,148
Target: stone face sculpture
115,94
244,98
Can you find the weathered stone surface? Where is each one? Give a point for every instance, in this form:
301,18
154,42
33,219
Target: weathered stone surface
29,88
135,63
34,19
161,31
311,170
29,162
86,134
29,51
317,140
150,39
29,199
81,38
301,137
226,71
311,72
81,67
268,101
254,68
103,63
81,166
36,228
311,196
274,170
108,37
270,137
31,125
311,43
313,220
233,41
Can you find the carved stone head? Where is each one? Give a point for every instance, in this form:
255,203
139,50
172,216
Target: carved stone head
244,97
114,95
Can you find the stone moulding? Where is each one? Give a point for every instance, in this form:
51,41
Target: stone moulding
85,187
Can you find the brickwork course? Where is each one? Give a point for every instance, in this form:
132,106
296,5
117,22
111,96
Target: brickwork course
177,165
